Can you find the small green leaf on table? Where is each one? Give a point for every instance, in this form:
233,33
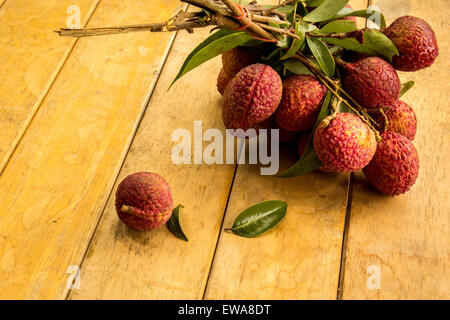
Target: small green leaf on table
259,218
174,224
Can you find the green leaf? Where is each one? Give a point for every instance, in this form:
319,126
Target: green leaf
379,42
326,10
365,13
259,218
309,162
174,224
313,3
340,26
322,55
406,86
375,44
286,9
296,43
351,44
216,44
295,66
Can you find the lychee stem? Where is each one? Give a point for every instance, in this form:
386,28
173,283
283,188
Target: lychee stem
334,88
130,210
386,120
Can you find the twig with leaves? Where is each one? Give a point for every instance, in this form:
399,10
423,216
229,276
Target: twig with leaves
314,39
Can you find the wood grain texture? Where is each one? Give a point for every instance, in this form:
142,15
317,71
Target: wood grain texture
300,259
122,264
56,184
31,55
406,238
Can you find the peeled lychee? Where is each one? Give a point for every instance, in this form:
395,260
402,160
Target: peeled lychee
223,80
237,59
402,119
251,97
344,143
395,166
372,82
303,97
144,201
415,41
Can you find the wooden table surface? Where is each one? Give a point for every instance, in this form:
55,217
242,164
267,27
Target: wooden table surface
77,116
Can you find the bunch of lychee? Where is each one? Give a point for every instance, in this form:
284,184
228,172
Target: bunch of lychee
256,96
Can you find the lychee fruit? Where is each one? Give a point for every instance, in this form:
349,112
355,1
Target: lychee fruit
237,59
395,166
415,41
223,80
302,100
372,82
251,97
144,201
401,118
344,143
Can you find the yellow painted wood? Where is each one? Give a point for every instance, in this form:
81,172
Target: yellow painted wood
31,55
300,259
56,184
122,264
404,241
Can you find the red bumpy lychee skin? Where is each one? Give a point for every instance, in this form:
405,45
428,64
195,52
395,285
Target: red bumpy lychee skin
223,80
237,59
303,96
395,166
401,118
344,143
372,82
144,201
415,41
251,97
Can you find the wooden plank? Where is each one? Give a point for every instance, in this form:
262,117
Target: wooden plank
156,265
404,241
300,259
56,184
30,59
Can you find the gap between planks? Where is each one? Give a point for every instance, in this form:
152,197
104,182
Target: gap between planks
46,90
348,212
220,230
